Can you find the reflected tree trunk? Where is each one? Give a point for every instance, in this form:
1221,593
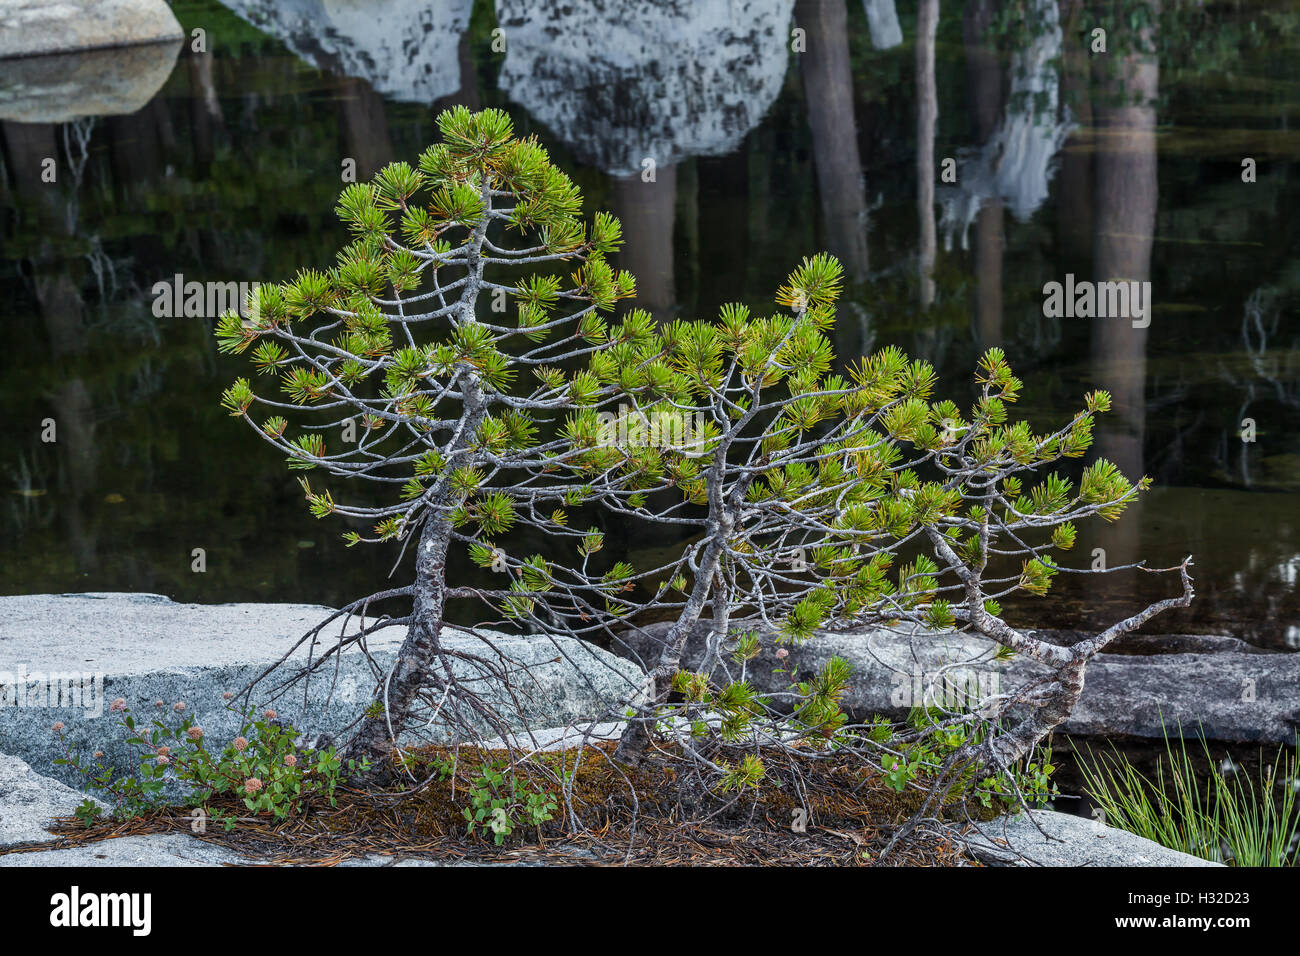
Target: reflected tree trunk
1074,195
1124,230
758,206
927,115
984,81
828,92
363,127
205,110
468,94
687,287
55,282
1125,219
647,212
140,144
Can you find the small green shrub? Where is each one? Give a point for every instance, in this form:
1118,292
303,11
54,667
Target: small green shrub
263,766
500,801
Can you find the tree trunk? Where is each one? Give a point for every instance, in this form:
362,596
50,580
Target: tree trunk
636,736
418,655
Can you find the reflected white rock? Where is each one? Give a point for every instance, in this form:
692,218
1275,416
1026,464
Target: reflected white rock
882,21
405,49
1015,165
619,81
62,87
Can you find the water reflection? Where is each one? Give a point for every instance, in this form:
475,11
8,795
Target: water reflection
984,81
60,88
1124,222
828,95
633,89
55,281
620,82
761,150
882,21
1014,162
927,115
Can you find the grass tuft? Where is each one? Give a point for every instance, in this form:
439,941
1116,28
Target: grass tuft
1229,816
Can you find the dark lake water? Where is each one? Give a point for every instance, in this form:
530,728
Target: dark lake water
1126,164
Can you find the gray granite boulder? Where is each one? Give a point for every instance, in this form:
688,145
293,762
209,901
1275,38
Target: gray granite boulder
154,849
65,658
1229,695
1047,838
28,801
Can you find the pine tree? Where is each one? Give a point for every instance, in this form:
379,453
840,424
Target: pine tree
807,486
802,484
455,405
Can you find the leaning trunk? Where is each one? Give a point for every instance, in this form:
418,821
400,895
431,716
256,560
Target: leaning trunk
636,736
418,656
